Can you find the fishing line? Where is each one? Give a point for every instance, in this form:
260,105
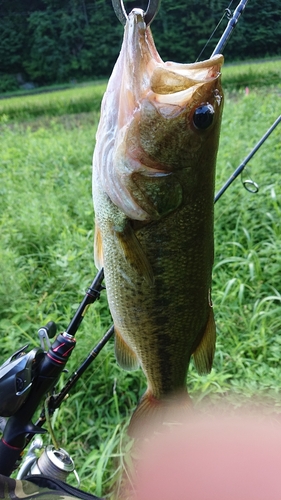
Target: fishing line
227,12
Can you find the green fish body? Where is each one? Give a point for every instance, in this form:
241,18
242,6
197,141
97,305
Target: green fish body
153,191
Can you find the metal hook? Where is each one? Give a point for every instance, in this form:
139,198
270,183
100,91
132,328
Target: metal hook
149,15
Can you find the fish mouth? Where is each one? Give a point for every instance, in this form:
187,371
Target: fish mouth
174,83
170,82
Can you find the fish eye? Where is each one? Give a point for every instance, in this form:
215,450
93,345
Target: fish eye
203,116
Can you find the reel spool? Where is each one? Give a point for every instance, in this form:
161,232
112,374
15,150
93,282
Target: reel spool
56,463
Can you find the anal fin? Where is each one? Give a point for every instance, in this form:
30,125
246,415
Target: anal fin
125,356
98,250
204,354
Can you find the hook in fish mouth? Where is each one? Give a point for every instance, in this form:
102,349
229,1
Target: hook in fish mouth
149,15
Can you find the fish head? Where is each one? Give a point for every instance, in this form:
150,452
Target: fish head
184,108
157,118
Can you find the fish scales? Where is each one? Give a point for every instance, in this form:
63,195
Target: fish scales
153,191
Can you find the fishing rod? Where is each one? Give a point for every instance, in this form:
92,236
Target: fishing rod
230,27
244,163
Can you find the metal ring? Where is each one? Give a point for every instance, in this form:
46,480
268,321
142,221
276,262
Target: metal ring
151,11
251,186
149,15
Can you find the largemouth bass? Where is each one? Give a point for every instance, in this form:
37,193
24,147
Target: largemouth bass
153,191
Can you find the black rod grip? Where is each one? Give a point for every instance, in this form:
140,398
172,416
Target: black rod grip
8,457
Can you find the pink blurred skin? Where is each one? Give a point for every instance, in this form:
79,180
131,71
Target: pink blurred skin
213,459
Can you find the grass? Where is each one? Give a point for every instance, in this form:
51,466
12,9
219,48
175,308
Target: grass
56,103
51,88
46,263
255,74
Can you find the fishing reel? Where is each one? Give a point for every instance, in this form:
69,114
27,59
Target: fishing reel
52,462
16,377
20,370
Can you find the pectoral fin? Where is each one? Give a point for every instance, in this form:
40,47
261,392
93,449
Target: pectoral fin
98,250
158,195
133,253
126,358
204,354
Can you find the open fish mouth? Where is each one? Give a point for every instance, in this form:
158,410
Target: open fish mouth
172,83
175,83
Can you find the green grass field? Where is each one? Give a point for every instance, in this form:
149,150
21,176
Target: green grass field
46,260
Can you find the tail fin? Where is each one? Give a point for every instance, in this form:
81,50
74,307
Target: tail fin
153,414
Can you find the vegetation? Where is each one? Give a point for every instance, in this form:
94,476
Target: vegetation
76,100
46,262
252,74
44,42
